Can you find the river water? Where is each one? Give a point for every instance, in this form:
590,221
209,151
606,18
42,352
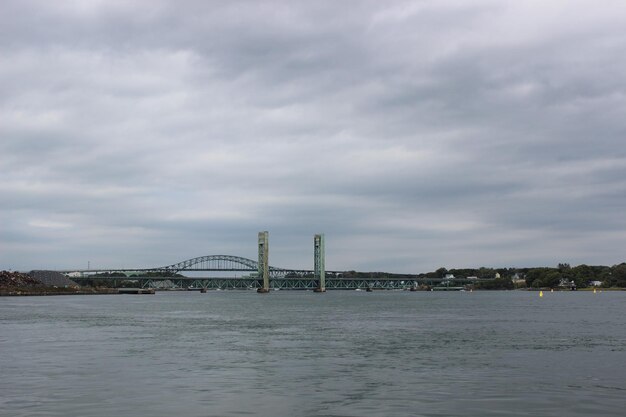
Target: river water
290,353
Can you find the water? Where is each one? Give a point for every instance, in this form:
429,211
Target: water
342,353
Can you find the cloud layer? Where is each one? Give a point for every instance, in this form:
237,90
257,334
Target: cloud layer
413,134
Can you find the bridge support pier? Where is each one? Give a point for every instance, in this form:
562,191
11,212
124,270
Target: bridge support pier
264,272
319,263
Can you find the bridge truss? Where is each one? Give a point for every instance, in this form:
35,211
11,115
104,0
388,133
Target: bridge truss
294,283
280,278
228,263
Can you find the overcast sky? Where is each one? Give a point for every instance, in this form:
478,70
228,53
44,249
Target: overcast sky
414,134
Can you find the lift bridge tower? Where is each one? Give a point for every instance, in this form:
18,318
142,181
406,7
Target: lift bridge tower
264,269
319,263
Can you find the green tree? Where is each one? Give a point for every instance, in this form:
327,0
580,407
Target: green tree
582,274
496,284
534,277
441,272
552,278
617,276
485,273
543,277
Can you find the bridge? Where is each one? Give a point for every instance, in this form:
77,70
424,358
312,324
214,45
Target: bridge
260,275
219,263
169,276
228,263
337,282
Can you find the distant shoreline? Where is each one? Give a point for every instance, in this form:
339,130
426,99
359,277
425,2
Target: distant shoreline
29,292
23,292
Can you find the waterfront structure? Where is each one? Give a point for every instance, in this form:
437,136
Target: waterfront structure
263,265
319,267
260,275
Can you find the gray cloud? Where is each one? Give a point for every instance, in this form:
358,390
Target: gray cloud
414,134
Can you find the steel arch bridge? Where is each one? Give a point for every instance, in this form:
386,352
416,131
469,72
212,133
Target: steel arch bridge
280,278
227,263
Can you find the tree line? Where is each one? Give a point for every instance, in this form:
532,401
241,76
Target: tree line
543,277
580,276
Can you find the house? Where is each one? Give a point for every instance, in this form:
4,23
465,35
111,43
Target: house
518,279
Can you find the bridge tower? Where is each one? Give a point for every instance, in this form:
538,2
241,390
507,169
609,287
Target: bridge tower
264,272
319,263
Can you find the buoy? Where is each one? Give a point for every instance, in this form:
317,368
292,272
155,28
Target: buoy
540,293
594,290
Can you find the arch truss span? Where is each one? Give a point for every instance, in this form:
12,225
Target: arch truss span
228,263
213,263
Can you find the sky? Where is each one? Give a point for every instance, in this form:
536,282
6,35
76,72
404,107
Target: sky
413,134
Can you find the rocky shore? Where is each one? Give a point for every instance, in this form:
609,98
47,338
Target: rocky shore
43,283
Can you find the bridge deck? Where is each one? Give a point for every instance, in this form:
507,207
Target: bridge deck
280,283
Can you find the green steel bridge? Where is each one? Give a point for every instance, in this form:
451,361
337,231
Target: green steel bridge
170,276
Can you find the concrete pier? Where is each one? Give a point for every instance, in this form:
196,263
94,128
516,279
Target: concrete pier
319,263
264,272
